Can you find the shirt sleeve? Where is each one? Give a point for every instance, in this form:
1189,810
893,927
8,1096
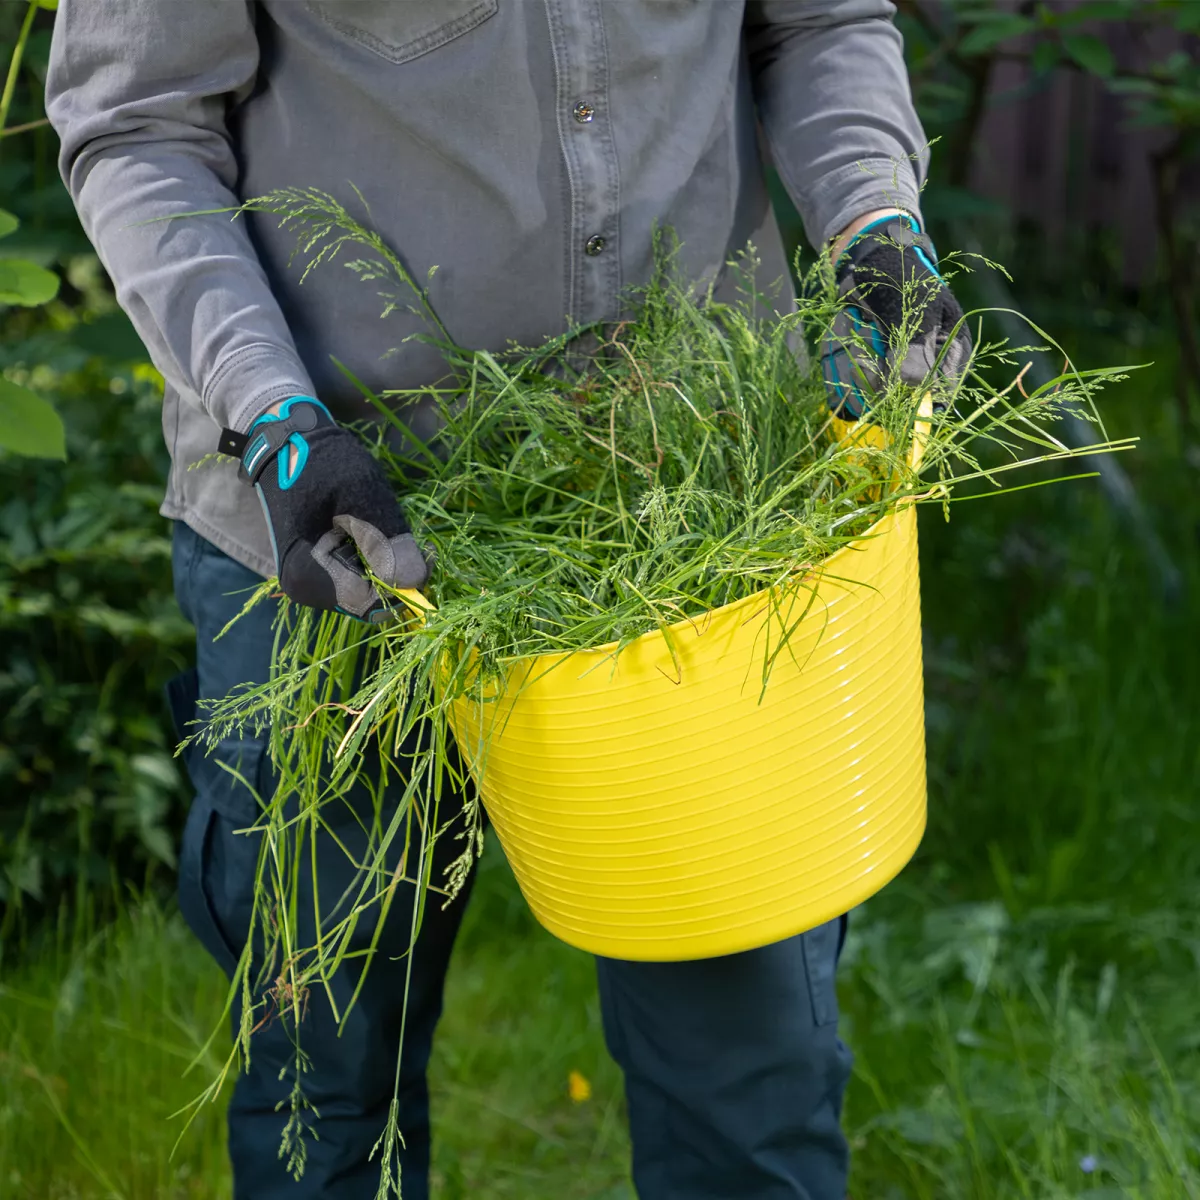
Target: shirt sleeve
138,91
836,108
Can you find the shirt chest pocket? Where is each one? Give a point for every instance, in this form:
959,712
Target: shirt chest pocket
401,30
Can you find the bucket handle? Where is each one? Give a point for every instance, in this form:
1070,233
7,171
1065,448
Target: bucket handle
872,435
415,600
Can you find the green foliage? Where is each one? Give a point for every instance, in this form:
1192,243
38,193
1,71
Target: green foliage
28,423
1090,53
88,628
25,283
1169,97
88,634
952,44
954,48
980,27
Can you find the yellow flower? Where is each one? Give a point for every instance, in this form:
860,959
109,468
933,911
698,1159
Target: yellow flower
578,1087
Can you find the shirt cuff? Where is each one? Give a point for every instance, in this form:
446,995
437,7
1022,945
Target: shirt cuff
855,189
249,381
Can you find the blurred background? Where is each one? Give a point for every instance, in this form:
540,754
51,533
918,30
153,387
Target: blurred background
1023,1001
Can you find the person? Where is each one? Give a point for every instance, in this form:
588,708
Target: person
527,149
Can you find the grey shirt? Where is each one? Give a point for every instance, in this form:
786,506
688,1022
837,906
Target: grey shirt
525,148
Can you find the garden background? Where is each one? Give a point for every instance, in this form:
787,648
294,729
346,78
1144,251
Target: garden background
1023,1001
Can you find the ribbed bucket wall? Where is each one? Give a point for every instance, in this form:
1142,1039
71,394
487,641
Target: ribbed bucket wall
665,807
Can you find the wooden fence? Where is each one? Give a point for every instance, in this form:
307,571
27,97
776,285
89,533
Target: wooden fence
1063,150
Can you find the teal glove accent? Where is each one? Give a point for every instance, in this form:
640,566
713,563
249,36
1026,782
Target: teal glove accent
887,272
329,513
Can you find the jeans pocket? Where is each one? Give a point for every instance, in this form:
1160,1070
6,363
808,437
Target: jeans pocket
401,30
196,900
233,776
183,697
822,947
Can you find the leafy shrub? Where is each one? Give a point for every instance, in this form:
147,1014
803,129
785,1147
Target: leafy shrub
89,631
88,628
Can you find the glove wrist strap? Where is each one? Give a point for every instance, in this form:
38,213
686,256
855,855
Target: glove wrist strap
269,434
900,229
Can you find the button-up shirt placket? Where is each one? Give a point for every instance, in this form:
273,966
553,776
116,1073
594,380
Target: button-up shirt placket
593,257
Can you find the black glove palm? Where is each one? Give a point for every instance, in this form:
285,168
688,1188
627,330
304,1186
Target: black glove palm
335,494
889,271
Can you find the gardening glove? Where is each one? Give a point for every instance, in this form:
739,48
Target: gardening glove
890,266
331,512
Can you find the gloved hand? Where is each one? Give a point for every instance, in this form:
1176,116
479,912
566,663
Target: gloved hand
889,266
318,501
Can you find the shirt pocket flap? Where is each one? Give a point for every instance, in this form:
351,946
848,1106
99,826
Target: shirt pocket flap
401,30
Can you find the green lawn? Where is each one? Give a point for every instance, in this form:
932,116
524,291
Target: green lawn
95,1037
995,1058
1023,1001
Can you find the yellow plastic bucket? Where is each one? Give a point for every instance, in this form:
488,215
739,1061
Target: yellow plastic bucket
661,806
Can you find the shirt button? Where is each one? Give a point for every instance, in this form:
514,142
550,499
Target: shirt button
595,245
583,112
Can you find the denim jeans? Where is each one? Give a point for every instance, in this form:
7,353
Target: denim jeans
734,1072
